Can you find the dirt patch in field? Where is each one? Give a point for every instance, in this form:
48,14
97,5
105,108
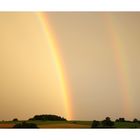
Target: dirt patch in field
63,126
6,125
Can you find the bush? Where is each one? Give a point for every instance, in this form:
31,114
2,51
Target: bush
25,125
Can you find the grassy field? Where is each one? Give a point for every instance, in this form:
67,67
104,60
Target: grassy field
127,125
67,124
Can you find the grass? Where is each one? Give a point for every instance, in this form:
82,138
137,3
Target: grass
127,125
82,122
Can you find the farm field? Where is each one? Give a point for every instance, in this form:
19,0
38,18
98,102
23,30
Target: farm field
67,124
50,124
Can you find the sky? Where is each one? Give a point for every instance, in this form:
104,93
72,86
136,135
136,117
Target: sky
100,57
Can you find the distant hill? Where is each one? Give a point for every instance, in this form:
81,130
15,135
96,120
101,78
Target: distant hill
46,117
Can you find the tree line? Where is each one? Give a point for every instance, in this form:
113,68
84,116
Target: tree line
108,123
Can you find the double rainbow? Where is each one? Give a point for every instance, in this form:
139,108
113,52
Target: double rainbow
119,56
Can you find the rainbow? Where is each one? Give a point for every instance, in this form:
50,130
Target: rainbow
120,57
57,61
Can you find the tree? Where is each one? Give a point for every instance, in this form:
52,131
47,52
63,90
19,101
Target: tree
107,123
95,124
121,119
15,119
117,120
135,120
107,119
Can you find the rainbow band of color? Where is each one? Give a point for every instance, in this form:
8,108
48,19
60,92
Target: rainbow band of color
121,62
58,63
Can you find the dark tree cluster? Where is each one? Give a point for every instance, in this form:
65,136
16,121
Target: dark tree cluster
47,118
120,120
25,125
123,120
136,121
15,119
107,123
95,124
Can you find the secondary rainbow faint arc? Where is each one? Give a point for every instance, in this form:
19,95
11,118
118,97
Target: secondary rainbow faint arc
121,62
57,60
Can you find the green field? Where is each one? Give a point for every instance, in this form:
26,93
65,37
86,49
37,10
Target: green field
127,125
67,124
